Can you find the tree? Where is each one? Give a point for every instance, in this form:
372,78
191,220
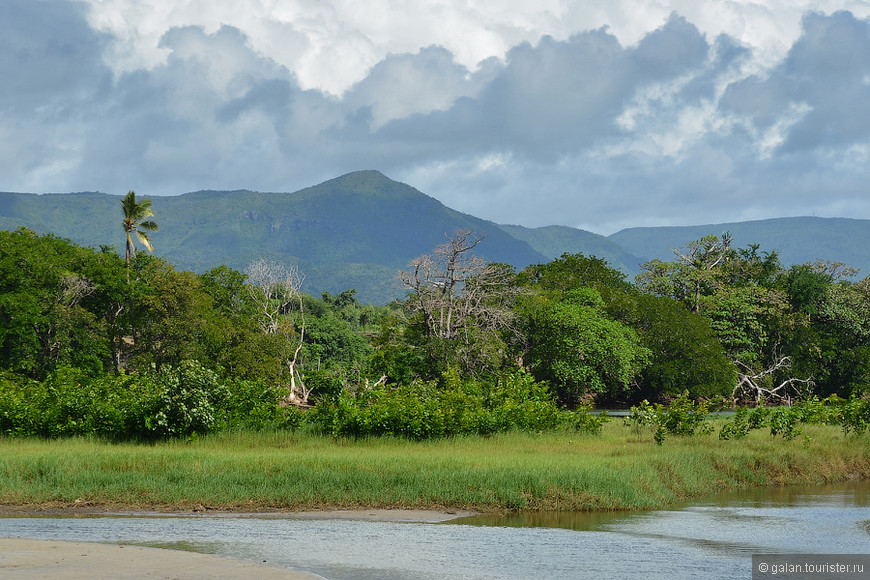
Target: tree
462,303
691,275
276,290
740,293
836,346
574,345
52,303
571,271
685,353
175,317
236,342
135,220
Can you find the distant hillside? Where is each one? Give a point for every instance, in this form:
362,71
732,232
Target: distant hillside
358,230
798,240
355,231
553,241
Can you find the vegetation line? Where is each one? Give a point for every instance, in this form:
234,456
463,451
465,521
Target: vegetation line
557,470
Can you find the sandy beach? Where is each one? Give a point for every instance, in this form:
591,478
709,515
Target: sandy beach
26,559
30,559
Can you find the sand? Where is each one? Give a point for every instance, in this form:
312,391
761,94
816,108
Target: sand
29,559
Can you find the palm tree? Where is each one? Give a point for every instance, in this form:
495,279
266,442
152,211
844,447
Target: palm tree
135,214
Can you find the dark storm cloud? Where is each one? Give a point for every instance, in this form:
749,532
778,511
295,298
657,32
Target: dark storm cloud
827,73
49,56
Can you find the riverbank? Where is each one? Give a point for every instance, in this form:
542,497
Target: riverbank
280,472
27,559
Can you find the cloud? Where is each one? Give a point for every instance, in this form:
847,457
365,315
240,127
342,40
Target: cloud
820,90
403,85
51,79
660,118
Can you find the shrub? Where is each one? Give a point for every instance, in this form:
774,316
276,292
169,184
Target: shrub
757,418
854,415
71,403
185,400
582,420
815,411
429,409
253,405
682,417
737,427
783,420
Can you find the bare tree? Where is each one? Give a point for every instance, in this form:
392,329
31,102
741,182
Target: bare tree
757,384
72,289
701,258
461,298
837,271
437,281
276,290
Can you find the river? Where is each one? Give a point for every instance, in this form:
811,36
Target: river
712,538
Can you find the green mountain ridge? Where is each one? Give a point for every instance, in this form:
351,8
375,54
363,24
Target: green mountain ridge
553,241
358,230
355,231
796,239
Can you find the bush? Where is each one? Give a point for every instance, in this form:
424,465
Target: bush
758,417
854,415
585,422
783,421
253,405
737,427
185,400
429,409
815,411
171,402
682,417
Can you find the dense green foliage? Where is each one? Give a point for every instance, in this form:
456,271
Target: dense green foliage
423,410
473,348
172,402
573,344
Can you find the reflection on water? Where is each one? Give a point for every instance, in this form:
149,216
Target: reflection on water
709,539
849,494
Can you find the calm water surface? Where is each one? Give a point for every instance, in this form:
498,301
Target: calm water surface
714,538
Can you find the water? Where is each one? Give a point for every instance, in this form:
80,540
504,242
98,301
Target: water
714,538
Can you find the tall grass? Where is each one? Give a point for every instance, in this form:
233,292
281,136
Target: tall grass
556,470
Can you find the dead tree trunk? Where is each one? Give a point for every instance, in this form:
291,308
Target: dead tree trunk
276,289
750,383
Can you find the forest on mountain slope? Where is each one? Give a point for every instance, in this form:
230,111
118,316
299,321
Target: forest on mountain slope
357,230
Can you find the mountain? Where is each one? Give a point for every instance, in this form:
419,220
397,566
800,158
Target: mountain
553,241
797,240
358,230
355,231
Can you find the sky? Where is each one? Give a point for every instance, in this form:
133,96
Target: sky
596,114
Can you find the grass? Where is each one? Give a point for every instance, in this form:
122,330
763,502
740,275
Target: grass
250,471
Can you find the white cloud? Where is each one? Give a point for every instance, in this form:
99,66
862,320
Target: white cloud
332,44
521,113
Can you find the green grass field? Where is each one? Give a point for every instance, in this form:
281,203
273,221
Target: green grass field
550,471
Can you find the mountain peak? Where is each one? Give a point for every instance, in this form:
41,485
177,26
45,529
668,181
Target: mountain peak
370,184
364,179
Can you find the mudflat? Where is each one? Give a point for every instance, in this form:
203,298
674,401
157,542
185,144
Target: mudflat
25,559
